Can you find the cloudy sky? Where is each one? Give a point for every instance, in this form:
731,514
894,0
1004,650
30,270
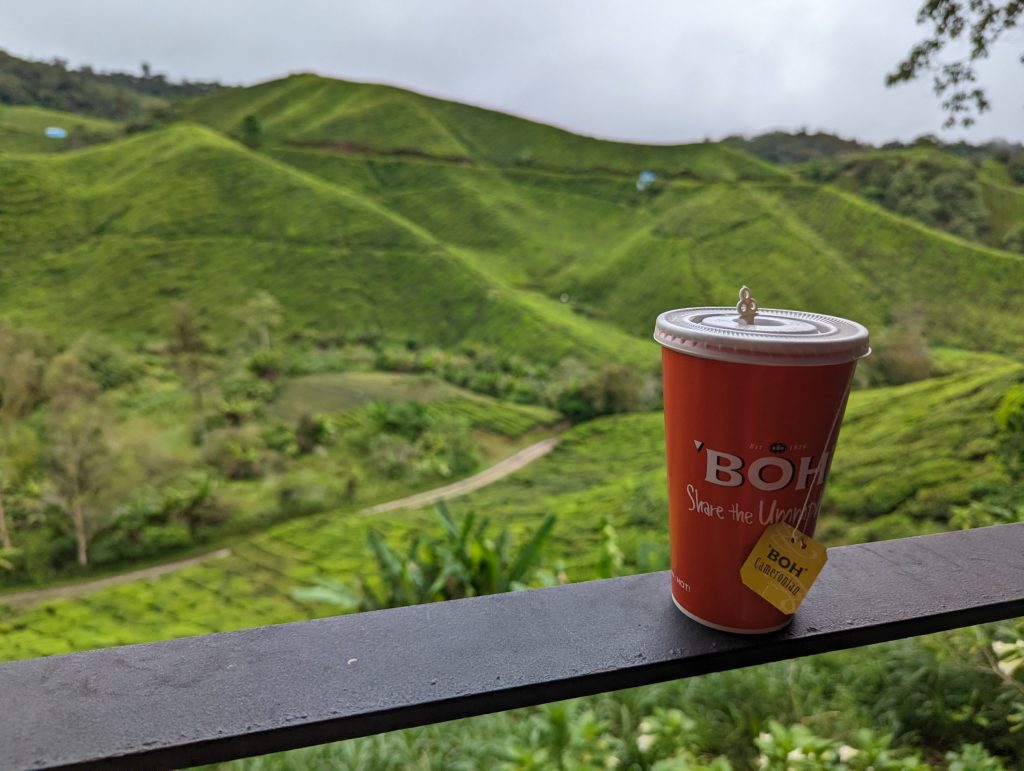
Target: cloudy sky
644,70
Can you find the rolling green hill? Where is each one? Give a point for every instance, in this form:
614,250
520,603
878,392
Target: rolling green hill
369,210
186,212
560,214
307,110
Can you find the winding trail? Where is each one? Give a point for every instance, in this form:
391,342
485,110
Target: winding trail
500,470
31,597
488,476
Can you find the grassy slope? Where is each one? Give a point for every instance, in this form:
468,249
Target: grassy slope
21,129
937,433
540,208
479,248
187,212
306,109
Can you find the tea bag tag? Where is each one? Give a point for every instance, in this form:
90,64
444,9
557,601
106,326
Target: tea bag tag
783,565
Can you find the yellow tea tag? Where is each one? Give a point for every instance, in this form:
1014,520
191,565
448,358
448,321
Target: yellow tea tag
783,565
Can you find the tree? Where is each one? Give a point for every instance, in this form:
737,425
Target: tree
20,393
980,23
252,131
78,451
263,314
189,347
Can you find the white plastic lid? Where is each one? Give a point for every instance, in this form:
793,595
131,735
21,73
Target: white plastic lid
748,334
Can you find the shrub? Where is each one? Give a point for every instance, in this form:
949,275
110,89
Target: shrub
110,365
615,389
463,562
266,364
1013,241
1010,421
406,419
973,757
280,438
1016,167
192,501
313,431
157,522
392,455
243,398
901,355
302,491
238,453
151,541
446,448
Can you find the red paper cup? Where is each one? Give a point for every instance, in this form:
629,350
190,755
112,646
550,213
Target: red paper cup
753,404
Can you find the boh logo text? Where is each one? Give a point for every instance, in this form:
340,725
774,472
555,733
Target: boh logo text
767,472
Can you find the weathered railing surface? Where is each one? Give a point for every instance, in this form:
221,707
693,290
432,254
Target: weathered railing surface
203,699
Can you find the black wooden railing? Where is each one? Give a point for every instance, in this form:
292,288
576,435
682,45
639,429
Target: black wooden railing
205,699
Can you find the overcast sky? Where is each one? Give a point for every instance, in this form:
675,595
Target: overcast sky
644,70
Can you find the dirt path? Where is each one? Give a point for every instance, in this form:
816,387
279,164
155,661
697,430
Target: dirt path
22,599
488,476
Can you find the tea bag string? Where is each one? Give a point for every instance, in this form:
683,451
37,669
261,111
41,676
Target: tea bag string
828,443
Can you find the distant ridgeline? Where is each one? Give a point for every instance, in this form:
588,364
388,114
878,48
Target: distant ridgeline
371,211
113,95
800,146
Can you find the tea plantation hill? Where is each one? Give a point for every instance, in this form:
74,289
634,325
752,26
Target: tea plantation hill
373,210
105,238
907,455
556,212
